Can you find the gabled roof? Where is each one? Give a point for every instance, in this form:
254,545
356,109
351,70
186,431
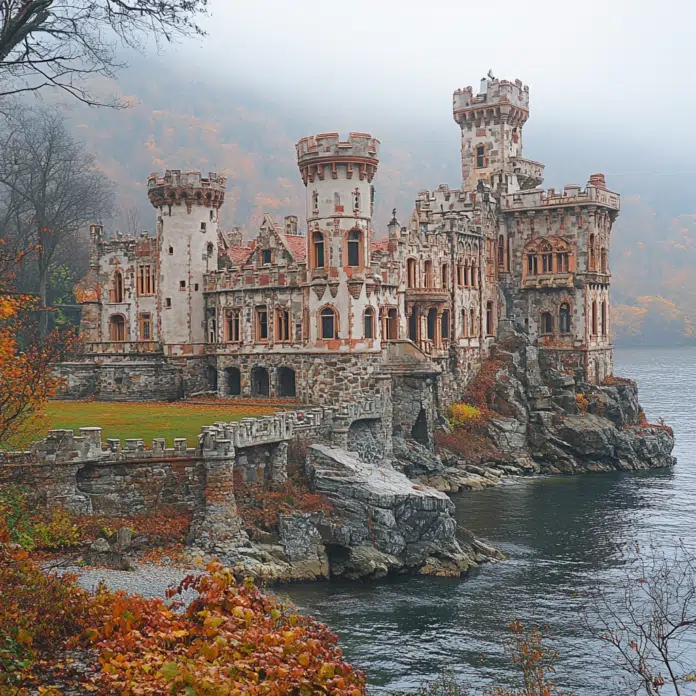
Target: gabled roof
239,255
297,246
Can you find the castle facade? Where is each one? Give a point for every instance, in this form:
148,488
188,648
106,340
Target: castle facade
336,310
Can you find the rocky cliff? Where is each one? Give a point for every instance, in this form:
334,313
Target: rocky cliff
538,419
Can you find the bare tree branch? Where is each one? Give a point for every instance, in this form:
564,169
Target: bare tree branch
59,43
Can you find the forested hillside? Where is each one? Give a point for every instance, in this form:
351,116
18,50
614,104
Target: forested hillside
180,121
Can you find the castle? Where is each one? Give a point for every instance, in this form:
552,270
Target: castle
333,313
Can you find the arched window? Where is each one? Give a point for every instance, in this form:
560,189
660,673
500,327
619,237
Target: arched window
369,322
604,260
329,328
465,323
489,319
460,275
286,381
117,328
546,323
412,273
118,286
564,318
501,251
354,244
233,377
594,318
604,318
444,276
474,275
473,330
318,250
428,274
592,260
232,325
445,325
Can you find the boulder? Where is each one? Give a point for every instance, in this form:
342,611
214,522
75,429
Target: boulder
376,507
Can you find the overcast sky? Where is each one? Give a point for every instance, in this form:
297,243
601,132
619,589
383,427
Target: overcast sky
625,67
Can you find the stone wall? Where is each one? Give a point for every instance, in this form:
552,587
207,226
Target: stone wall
126,380
322,379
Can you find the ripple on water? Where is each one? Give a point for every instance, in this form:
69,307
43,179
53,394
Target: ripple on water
559,533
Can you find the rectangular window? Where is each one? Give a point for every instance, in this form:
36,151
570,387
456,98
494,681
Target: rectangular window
532,264
480,156
182,285
282,325
232,326
562,265
168,302
204,227
261,324
145,280
145,326
265,256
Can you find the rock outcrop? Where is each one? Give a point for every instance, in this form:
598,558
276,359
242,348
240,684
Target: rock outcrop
381,523
550,421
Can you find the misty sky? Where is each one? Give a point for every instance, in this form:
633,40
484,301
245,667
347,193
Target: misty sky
614,68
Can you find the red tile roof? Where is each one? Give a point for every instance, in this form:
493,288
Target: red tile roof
297,246
382,245
239,255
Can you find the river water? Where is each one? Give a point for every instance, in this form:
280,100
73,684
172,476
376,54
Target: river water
560,535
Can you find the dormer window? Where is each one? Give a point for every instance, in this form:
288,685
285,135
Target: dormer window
266,256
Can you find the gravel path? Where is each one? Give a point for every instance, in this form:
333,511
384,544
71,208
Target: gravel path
148,580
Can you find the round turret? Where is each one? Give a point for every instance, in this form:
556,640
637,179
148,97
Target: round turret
190,187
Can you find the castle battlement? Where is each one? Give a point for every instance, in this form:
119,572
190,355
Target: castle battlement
328,145
595,193
64,447
188,185
493,93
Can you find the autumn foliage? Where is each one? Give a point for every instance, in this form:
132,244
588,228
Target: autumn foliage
231,639
26,381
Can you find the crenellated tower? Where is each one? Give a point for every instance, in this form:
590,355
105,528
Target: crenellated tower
340,199
491,123
187,207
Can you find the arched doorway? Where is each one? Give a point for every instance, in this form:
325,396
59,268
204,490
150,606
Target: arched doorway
234,381
286,381
212,377
259,382
117,328
419,431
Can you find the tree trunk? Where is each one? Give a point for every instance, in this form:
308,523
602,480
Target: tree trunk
43,295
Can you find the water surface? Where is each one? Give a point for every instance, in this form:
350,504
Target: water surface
560,534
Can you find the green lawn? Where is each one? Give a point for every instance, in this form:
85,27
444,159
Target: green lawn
147,420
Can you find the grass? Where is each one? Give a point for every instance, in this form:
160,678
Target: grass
147,420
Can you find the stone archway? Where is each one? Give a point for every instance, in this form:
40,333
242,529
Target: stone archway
233,377
260,382
286,381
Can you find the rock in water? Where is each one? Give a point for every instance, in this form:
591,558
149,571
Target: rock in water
383,522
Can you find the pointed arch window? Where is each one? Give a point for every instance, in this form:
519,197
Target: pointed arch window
444,276
594,318
593,259
473,330
465,323
489,319
604,318
501,251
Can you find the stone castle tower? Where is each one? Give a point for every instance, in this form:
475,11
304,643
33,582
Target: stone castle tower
338,178
187,207
491,123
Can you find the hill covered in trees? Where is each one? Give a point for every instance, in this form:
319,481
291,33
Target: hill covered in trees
181,121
